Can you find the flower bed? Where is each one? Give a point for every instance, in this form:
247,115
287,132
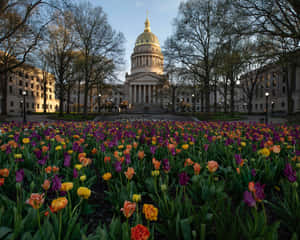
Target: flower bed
149,180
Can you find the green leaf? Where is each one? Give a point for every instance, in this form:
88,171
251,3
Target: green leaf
186,229
4,231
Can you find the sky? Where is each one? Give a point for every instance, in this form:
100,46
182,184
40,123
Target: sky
128,17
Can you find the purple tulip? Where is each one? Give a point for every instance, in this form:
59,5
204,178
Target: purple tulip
153,149
253,172
19,175
43,160
67,161
183,179
290,173
166,165
259,191
75,173
206,147
118,166
127,159
56,183
248,199
238,159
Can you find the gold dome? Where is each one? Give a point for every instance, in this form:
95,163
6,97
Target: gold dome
147,37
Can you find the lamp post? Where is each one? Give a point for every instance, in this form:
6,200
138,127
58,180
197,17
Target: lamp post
24,93
193,102
267,106
99,101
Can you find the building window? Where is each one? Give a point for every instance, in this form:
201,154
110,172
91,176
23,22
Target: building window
32,94
20,91
26,76
37,94
10,79
32,85
283,89
21,105
10,89
32,105
11,104
50,106
37,87
20,83
38,106
26,84
261,106
27,105
256,106
50,96
283,104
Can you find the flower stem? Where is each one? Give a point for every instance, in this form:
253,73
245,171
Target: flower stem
60,222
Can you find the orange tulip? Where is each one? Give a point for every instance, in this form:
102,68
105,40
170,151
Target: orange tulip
46,185
156,164
129,173
2,180
48,169
251,187
106,159
128,208
188,162
212,166
141,155
197,168
59,204
4,172
36,200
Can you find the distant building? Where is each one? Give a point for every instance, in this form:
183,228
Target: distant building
30,79
274,80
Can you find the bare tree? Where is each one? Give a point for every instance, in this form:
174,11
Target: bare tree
275,18
60,52
98,43
22,23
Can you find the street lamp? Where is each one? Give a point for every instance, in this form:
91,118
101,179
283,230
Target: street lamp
99,101
267,110
193,102
24,93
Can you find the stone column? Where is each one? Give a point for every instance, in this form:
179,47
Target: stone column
144,93
134,94
130,94
154,94
140,94
149,93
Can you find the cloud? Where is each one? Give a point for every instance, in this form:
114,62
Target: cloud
139,3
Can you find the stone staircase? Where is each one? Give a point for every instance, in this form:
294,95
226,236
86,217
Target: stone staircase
147,108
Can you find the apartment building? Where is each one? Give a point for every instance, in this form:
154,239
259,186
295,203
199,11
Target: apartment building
37,84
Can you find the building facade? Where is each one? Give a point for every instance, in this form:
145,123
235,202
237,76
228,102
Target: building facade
278,83
37,84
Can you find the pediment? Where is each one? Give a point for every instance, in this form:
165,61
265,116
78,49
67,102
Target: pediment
145,78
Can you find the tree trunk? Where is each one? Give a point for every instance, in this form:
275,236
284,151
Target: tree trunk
61,98
86,95
3,81
250,104
215,96
173,98
232,87
225,96
78,97
68,99
202,101
207,96
45,92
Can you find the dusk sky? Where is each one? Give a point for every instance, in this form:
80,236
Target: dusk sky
128,17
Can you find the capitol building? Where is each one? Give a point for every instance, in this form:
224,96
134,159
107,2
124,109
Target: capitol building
143,85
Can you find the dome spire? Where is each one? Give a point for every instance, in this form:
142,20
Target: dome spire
147,24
